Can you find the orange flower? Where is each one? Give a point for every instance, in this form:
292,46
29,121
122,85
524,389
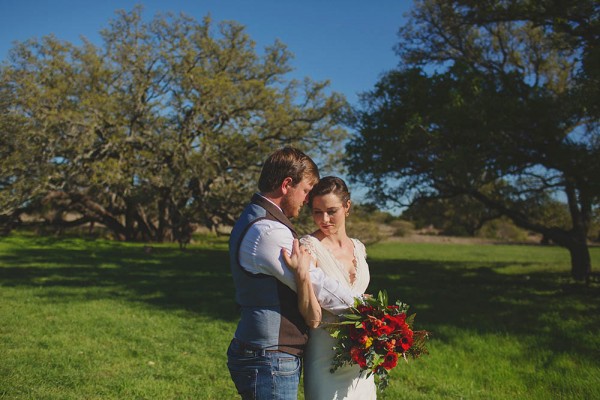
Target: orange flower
390,345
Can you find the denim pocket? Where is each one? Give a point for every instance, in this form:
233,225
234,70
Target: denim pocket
287,365
286,376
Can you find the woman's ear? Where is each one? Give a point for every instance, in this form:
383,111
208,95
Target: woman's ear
347,207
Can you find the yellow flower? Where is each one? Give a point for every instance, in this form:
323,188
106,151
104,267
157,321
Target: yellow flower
368,342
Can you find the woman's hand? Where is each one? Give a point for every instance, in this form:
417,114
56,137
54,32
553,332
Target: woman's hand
299,261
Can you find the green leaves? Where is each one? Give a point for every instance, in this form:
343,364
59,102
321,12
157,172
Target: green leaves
374,336
163,127
488,104
382,297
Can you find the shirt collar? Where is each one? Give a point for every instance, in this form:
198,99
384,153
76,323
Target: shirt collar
270,201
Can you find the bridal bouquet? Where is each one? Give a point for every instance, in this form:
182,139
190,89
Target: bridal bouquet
375,335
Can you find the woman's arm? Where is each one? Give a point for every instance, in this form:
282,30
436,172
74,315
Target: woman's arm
260,253
299,264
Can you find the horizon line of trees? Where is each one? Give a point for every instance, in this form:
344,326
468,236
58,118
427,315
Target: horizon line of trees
492,111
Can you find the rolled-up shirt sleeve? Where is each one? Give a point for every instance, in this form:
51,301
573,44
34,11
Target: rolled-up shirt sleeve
260,253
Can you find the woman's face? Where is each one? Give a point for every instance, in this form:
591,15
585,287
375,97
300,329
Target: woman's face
329,213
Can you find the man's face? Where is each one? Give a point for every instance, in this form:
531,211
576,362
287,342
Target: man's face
295,198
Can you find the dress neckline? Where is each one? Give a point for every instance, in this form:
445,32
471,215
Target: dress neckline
342,266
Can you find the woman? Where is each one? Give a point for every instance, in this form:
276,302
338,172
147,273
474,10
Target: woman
344,259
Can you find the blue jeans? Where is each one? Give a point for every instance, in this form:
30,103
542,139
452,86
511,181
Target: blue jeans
263,374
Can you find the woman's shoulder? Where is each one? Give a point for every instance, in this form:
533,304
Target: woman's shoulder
308,238
357,242
358,245
310,242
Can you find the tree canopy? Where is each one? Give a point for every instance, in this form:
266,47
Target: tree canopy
493,100
163,126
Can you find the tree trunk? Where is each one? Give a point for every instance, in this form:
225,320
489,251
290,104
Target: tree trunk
130,212
575,240
581,265
163,216
580,210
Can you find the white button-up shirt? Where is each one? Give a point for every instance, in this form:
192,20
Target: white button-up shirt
260,253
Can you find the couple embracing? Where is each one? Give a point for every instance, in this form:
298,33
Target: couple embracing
287,287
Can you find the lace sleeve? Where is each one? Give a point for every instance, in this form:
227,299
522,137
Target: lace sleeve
360,248
308,242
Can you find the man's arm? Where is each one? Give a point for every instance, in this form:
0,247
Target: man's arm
299,262
260,252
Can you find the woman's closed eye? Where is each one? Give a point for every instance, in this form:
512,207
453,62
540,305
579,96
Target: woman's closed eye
331,212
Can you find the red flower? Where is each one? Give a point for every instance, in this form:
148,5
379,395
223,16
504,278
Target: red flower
375,336
393,323
406,331
377,327
390,361
368,325
362,339
406,342
365,309
355,333
400,319
358,356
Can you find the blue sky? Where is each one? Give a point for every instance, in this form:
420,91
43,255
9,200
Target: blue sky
349,42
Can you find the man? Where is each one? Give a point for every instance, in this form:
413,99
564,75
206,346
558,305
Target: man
264,357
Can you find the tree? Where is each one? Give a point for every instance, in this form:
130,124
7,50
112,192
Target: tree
456,216
489,103
164,126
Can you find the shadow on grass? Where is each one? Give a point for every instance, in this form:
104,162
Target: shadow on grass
196,280
472,296
478,298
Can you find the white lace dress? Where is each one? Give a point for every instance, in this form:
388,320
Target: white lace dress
347,382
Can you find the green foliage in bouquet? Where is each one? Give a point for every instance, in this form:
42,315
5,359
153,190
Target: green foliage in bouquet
374,335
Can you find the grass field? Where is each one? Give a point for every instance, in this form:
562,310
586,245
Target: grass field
92,319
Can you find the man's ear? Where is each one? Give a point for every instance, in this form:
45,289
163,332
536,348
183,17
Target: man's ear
286,184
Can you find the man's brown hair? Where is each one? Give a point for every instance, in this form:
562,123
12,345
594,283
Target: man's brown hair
287,162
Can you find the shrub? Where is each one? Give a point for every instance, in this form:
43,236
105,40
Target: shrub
366,231
502,229
402,227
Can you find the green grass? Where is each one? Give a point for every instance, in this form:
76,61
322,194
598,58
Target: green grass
507,321
92,319
103,320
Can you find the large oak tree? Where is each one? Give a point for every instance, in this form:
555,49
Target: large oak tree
495,100
162,126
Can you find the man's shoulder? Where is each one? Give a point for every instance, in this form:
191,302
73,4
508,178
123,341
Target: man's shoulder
267,223
267,231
